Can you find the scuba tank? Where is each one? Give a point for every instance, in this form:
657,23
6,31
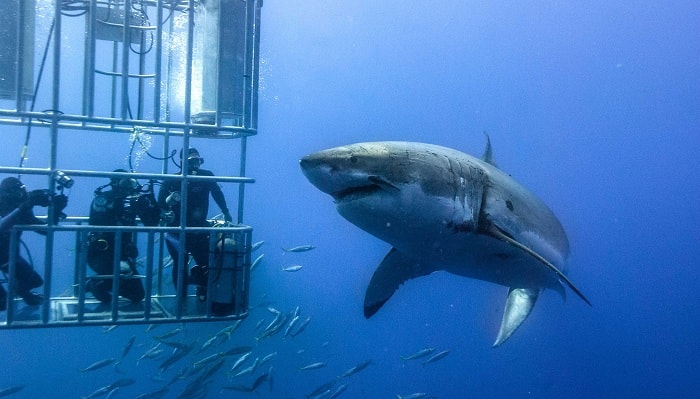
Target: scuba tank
227,262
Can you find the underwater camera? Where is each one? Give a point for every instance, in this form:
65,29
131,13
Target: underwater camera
63,180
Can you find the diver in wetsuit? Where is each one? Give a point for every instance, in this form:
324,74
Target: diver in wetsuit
16,207
118,206
197,244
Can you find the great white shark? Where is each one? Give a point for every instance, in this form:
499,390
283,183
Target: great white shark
442,209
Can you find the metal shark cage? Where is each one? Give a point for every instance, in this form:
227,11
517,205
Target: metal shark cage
181,73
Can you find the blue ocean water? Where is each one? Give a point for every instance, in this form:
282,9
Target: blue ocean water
594,106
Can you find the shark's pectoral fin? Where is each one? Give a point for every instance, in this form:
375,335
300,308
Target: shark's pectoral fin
498,233
518,306
394,270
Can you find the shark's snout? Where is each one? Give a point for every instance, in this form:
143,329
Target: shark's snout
321,171
318,171
338,173
309,162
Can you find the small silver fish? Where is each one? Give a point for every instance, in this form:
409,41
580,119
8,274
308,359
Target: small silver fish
267,358
417,395
237,350
436,357
256,262
300,327
323,389
338,391
112,392
356,369
10,390
98,392
256,245
126,349
108,389
208,359
211,341
107,329
249,370
168,334
300,248
273,310
152,353
291,324
98,364
122,382
153,395
258,381
227,331
293,268
313,366
177,355
237,364
421,353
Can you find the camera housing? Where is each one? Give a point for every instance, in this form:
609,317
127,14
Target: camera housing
63,180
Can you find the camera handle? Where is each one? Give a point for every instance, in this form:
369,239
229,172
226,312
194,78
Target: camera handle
61,215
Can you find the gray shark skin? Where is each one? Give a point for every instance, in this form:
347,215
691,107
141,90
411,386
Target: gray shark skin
442,209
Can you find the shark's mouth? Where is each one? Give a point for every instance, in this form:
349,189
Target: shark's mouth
357,192
375,184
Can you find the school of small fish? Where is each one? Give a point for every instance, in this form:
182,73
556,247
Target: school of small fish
178,362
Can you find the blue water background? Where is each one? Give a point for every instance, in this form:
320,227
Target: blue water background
594,106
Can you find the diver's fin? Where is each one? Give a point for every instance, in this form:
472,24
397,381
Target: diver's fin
496,232
488,151
394,270
518,306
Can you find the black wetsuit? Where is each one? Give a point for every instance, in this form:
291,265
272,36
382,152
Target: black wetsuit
197,244
26,278
118,208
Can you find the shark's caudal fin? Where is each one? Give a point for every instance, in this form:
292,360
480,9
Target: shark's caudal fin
518,306
394,270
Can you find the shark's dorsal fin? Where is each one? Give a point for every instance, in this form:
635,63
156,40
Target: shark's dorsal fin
488,151
496,232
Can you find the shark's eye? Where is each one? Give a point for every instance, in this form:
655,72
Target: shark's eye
353,159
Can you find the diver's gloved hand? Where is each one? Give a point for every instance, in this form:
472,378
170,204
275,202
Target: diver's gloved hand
60,202
124,268
37,198
227,216
167,217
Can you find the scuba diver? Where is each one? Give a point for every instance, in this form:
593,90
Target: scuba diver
16,207
118,206
197,244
